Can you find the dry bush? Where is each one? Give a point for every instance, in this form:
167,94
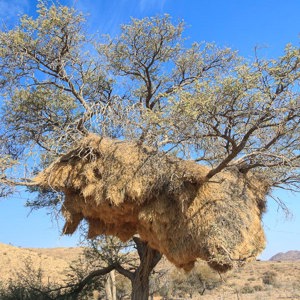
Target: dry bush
258,288
269,278
30,283
123,286
247,289
201,279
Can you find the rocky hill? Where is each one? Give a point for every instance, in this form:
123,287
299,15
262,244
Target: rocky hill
286,256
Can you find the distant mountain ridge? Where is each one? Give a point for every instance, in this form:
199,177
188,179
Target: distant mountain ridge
290,256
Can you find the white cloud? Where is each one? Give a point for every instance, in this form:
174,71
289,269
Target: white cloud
11,9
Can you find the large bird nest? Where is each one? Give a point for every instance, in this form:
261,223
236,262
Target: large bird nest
122,189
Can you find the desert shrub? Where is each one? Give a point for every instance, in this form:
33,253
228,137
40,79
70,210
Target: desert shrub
251,279
269,278
18,290
123,286
182,285
165,292
247,289
202,278
258,288
206,276
296,285
32,283
233,285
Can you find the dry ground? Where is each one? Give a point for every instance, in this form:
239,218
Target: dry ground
242,284
247,283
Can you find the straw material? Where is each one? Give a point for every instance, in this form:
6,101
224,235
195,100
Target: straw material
121,189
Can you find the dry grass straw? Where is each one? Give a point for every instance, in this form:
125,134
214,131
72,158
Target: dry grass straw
123,189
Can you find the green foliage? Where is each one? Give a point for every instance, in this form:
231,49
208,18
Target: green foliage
201,102
46,80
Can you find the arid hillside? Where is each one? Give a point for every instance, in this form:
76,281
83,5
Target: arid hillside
258,280
286,256
54,262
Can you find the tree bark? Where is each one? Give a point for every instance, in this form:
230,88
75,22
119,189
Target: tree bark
110,286
112,275
149,258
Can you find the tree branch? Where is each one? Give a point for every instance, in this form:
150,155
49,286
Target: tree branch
80,286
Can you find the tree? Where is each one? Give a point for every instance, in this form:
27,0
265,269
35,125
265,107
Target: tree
202,103
105,252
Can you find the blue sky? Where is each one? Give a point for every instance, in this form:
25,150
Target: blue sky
241,25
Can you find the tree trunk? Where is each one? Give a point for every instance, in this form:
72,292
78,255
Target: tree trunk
148,260
114,287
110,286
140,288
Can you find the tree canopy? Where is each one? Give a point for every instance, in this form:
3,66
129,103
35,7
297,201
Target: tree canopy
200,102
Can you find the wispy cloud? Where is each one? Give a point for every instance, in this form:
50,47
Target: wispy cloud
151,4
11,9
107,15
